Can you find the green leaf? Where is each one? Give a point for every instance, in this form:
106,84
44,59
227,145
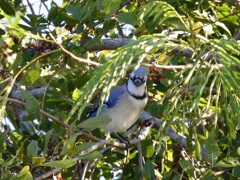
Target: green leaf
38,160
31,76
96,122
19,152
74,11
108,7
187,167
222,25
211,149
156,13
46,140
228,163
2,32
53,11
17,62
32,149
208,175
8,163
25,174
236,172
92,156
66,163
32,105
75,94
69,145
148,170
3,136
7,8
147,147
128,18
28,28
85,146
70,20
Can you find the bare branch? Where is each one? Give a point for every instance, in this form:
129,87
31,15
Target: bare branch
41,111
110,44
35,92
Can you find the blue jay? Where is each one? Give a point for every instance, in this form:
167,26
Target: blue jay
125,103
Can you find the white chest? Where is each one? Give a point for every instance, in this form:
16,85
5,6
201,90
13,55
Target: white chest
125,114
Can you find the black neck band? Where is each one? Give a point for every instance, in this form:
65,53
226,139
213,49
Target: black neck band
136,96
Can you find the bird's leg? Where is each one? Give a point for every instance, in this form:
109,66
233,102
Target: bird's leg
121,139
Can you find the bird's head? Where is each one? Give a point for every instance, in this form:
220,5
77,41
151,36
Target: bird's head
138,76
136,84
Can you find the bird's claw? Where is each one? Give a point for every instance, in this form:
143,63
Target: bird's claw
121,139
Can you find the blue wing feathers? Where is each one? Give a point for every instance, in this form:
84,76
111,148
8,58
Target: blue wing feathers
112,100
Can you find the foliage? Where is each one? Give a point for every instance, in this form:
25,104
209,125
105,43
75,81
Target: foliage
56,65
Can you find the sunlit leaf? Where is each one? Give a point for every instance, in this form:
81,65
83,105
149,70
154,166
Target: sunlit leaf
38,160
31,76
25,174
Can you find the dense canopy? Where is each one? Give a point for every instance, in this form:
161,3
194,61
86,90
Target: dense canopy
59,59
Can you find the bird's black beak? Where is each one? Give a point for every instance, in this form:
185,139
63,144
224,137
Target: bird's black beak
138,82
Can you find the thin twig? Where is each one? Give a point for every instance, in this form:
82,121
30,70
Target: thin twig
88,61
188,66
190,89
84,169
140,162
31,8
76,169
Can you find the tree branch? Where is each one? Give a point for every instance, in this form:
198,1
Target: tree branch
154,122
110,44
172,133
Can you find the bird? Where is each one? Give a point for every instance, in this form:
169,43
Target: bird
125,103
